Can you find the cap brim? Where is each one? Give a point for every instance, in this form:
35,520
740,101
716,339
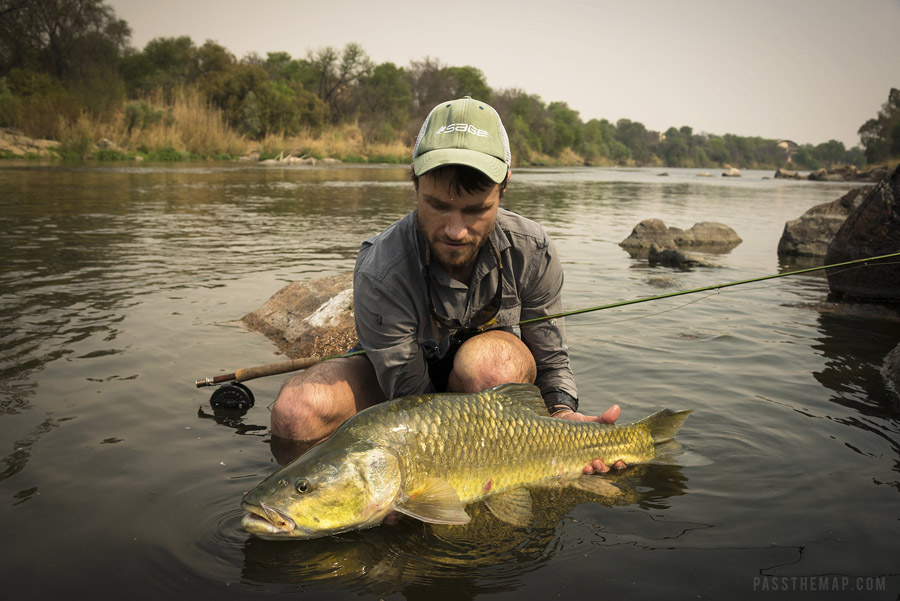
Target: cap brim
491,166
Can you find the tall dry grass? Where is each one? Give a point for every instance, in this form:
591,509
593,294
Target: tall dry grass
189,125
345,142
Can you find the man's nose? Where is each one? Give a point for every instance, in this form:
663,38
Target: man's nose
455,227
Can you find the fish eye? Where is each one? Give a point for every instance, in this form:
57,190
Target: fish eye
303,485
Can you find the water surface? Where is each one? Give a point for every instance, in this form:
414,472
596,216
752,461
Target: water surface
119,286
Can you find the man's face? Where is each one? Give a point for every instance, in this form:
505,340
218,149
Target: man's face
455,225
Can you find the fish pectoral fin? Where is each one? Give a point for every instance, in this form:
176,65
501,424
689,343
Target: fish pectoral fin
593,484
597,485
435,503
512,506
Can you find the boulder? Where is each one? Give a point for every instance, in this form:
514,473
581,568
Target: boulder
823,175
872,229
308,318
785,174
810,234
836,173
731,172
709,234
649,232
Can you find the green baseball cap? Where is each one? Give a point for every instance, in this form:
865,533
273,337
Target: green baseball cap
463,132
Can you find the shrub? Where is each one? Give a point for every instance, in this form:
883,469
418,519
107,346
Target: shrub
167,154
108,154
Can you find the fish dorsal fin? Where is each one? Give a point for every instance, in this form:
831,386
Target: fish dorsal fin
436,502
521,395
512,506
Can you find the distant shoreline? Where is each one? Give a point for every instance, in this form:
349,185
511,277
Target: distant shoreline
15,145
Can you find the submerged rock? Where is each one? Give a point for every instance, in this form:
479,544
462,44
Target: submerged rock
661,281
810,234
676,258
308,318
872,229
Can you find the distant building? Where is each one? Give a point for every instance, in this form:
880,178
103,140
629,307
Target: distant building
789,147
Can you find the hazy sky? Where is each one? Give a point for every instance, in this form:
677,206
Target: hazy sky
807,70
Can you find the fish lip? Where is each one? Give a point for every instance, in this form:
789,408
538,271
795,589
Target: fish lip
280,522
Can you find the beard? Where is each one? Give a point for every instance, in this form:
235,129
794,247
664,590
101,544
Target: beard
454,256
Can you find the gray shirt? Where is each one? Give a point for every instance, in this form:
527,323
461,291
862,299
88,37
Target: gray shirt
394,324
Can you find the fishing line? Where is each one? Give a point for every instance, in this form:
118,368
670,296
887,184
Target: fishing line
243,398
646,315
718,292
859,262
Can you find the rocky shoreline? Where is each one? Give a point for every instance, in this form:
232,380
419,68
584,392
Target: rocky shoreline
840,173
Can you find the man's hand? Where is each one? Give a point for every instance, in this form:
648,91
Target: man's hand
609,416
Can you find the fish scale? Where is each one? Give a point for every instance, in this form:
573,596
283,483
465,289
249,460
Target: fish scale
430,455
459,435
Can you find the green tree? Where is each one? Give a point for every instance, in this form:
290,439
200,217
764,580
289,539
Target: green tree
212,58
881,136
428,86
77,44
675,147
256,105
636,138
337,73
466,81
527,122
830,152
60,37
601,145
567,129
165,63
385,101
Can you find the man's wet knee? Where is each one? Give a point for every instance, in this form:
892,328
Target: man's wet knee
491,359
301,410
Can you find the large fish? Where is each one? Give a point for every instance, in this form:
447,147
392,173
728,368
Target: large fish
428,456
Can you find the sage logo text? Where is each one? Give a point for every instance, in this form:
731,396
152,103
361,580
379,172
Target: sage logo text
446,129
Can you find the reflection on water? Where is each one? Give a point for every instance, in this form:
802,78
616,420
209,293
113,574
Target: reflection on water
485,556
852,371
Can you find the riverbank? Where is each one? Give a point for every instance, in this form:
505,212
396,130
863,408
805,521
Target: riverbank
341,144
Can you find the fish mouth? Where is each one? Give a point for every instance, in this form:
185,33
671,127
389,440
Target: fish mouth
266,521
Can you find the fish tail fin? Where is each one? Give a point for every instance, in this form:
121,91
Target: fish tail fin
664,424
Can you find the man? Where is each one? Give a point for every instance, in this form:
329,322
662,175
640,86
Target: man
437,294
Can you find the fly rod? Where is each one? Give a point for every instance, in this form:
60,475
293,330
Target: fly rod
242,375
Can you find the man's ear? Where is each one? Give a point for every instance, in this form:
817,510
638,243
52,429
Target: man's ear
412,173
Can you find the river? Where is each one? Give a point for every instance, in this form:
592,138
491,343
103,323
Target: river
120,285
